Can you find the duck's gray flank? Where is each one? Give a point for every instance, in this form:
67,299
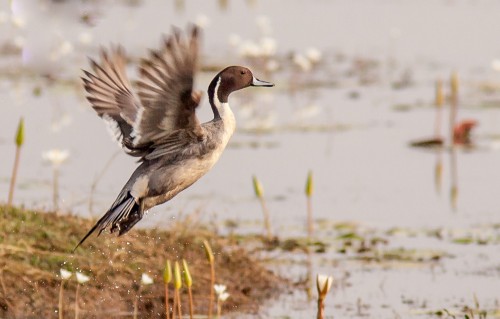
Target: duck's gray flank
160,125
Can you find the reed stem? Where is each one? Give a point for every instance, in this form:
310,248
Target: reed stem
76,301
219,308
167,308
439,101
267,223
321,308
55,189
19,140
178,303
191,308
61,296
453,106
14,176
310,223
454,179
212,283
309,192
136,302
259,192
174,306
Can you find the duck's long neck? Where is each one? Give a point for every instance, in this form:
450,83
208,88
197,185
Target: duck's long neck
218,102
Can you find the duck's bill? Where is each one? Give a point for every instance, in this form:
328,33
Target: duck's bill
257,82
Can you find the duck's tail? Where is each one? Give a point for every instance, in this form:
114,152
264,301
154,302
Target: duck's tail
122,216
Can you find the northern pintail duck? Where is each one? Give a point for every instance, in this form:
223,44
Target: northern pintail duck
160,126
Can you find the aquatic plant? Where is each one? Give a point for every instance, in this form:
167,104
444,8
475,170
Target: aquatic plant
80,280
145,281
189,282
167,277
55,157
302,62
314,55
65,275
27,250
19,140
438,102
202,21
323,283
453,103
309,191
259,192
177,287
211,261
222,296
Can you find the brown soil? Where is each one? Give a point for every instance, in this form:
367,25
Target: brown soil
34,246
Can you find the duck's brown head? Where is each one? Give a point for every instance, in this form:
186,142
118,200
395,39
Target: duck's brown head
231,79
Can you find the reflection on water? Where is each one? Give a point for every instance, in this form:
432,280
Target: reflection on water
352,89
438,171
454,179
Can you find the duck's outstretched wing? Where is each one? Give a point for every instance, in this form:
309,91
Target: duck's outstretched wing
166,101
165,90
109,93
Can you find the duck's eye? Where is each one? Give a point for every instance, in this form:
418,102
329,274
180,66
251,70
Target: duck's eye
243,72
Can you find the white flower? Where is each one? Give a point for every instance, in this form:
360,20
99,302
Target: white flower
302,62
220,289
146,279
223,296
495,65
18,21
81,278
55,156
272,66
324,283
65,274
202,21
65,48
314,55
85,38
249,49
268,46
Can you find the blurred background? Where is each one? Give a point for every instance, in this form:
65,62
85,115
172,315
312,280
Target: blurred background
356,102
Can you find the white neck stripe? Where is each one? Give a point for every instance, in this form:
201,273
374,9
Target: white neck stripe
217,103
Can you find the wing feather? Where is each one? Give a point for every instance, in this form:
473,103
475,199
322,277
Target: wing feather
165,88
166,103
109,93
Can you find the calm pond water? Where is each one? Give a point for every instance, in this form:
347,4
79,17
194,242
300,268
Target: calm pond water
349,120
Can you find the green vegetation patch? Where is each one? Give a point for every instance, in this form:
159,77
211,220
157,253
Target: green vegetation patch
35,245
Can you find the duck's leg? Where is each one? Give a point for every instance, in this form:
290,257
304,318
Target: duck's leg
133,218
